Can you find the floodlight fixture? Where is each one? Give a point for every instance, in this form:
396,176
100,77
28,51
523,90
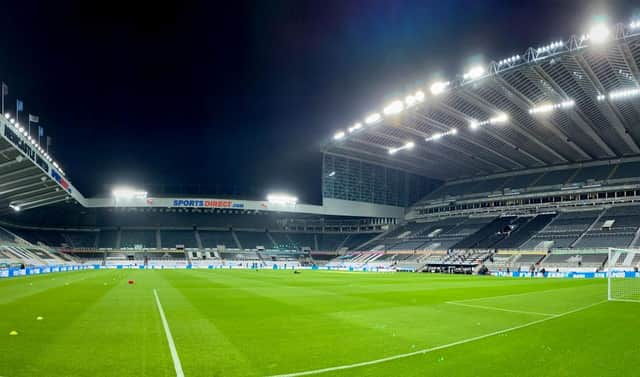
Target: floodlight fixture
338,135
498,119
408,145
282,199
355,127
15,207
7,115
439,135
393,108
127,193
439,87
373,118
474,72
623,94
599,33
549,107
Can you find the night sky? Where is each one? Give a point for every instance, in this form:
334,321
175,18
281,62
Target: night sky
242,95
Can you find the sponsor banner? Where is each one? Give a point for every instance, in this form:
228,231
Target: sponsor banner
26,148
60,179
206,203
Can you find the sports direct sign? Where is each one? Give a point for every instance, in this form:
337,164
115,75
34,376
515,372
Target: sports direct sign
207,203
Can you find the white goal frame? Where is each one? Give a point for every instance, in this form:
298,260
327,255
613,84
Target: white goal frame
621,287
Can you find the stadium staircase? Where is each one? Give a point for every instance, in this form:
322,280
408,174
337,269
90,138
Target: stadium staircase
118,239
593,224
486,236
525,231
273,241
235,238
196,234
158,239
636,238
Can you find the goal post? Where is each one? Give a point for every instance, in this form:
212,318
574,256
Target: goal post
623,280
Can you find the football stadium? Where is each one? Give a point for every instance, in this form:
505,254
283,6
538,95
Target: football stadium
484,224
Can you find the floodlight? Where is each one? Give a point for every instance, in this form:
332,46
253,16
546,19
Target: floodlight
373,118
7,115
282,199
14,207
410,100
127,193
623,94
474,125
338,135
355,127
332,174
409,145
439,87
549,107
599,33
501,118
474,73
419,96
12,121
394,107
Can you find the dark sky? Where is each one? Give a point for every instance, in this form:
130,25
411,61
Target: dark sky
243,94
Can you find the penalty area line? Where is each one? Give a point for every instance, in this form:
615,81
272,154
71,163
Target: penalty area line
437,348
172,346
498,309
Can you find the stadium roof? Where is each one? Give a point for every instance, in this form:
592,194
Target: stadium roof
564,102
29,177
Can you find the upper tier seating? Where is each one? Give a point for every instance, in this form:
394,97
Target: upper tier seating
108,239
524,231
212,238
355,240
131,239
330,241
536,181
80,240
564,230
251,240
616,228
171,238
303,240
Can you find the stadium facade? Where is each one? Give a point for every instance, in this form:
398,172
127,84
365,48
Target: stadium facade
530,162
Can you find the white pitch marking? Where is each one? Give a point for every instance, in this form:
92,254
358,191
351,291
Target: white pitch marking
514,294
437,348
172,347
499,309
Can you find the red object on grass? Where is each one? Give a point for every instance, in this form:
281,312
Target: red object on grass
131,281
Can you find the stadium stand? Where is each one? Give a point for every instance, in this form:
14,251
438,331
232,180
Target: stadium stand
145,239
564,230
108,239
330,241
616,227
252,240
172,238
303,240
211,239
524,230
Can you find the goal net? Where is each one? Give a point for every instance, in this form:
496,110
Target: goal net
623,277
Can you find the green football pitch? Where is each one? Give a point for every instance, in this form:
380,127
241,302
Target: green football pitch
265,323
